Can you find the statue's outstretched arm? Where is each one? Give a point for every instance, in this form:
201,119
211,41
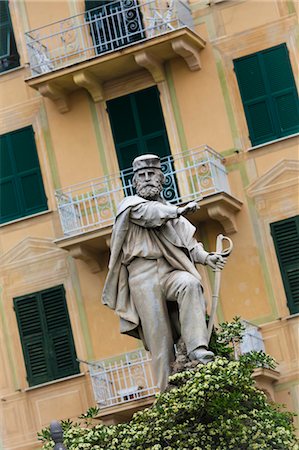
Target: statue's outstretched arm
152,214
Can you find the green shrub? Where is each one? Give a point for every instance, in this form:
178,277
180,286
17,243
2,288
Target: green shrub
213,407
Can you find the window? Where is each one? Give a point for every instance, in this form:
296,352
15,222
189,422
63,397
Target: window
269,94
114,23
21,186
285,234
46,335
138,126
9,57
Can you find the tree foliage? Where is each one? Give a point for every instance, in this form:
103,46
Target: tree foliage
212,407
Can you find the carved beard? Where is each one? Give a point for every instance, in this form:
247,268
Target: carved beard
149,192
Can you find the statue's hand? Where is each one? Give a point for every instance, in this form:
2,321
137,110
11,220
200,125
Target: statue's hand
191,207
216,261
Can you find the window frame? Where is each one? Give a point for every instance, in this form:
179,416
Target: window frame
17,176
44,337
276,229
267,98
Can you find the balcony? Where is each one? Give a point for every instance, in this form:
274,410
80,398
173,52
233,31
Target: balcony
108,42
87,210
122,384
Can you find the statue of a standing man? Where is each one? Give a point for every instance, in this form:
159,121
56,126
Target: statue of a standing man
152,282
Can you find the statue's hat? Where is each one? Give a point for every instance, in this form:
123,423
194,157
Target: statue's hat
146,161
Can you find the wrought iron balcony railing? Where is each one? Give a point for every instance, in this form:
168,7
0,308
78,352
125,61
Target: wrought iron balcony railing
101,30
122,379
93,204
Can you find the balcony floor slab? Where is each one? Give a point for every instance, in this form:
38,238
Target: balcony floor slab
91,74
88,246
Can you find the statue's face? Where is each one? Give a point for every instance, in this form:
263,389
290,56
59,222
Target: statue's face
148,183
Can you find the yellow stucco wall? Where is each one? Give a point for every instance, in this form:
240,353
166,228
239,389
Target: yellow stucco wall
199,107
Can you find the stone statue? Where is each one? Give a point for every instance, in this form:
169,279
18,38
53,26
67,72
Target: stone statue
152,282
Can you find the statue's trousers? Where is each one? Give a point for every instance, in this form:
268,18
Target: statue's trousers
152,283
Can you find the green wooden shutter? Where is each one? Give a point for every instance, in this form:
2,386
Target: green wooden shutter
29,316
268,93
60,337
282,88
46,336
9,57
21,186
285,235
138,126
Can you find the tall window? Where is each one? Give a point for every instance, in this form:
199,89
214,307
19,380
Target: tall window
269,94
21,186
138,126
9,57
46,335
285,234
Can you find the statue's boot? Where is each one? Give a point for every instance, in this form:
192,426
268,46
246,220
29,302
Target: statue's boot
202,355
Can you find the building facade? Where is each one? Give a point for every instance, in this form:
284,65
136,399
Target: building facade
86,86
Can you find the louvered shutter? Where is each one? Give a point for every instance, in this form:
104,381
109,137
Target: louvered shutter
268,93
46,336
282,88
35,349
286,240
21,186
138,126
60,338
10,206
28,171
254,96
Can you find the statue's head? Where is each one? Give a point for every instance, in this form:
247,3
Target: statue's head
148,177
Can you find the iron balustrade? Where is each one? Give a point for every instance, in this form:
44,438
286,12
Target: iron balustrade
101,30
122,378
93,204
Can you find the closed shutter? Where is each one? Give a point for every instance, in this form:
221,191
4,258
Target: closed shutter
269,94
21,186
286,240
138,126
35,349
60,338
46,336
9,57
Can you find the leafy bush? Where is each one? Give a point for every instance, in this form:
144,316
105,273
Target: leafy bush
212,407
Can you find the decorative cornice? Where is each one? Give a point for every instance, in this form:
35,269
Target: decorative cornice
271,181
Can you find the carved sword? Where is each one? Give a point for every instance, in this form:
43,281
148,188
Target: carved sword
224,252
